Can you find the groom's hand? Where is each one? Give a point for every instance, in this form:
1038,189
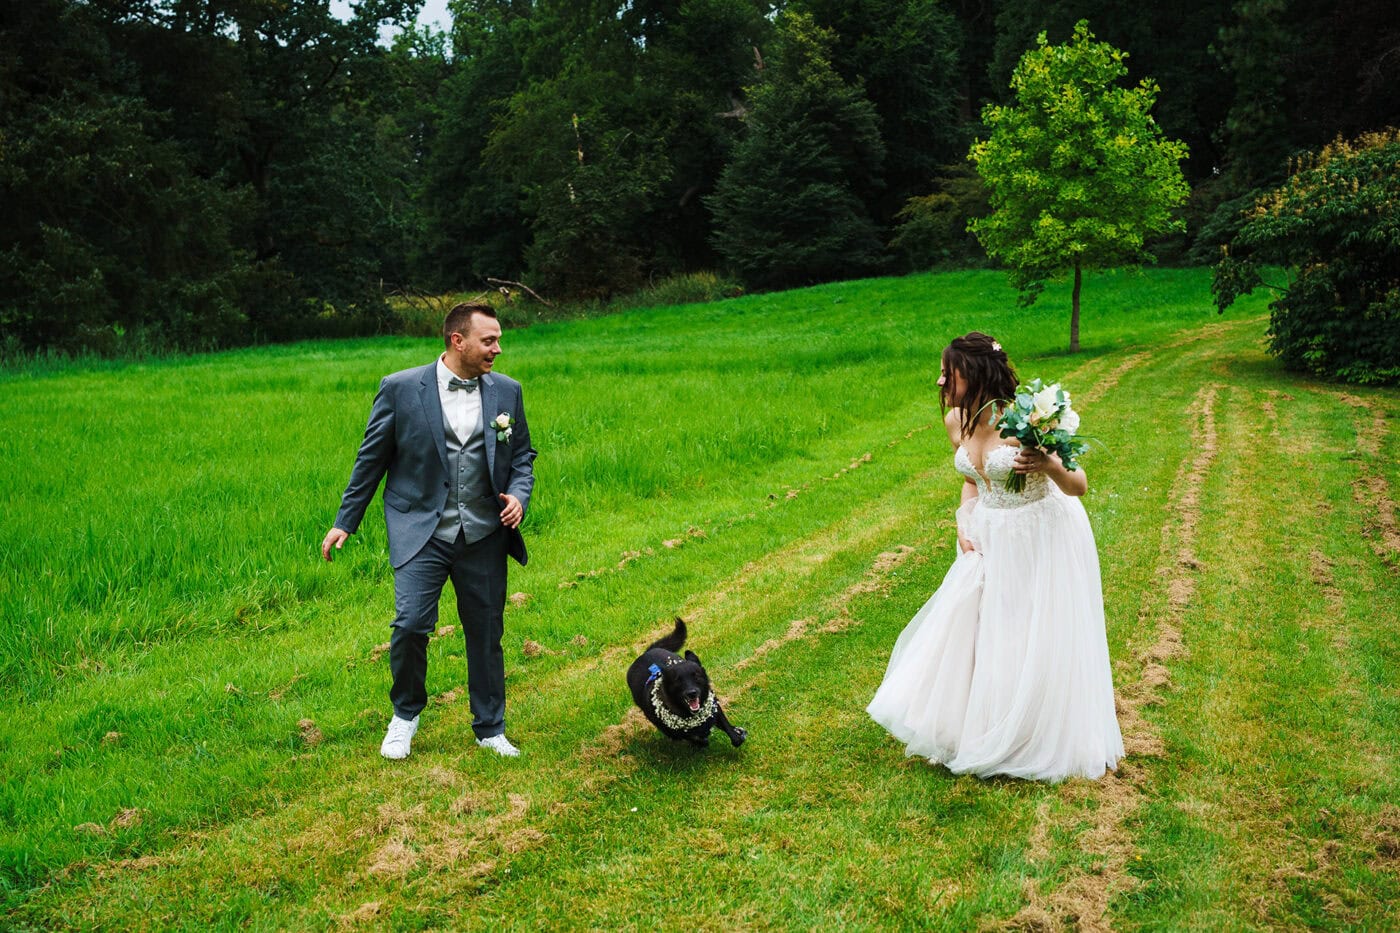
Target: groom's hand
334,537
511,510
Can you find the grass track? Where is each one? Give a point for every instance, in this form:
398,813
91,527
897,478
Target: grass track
1260,795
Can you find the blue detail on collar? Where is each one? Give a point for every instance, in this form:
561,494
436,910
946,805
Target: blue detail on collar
653,672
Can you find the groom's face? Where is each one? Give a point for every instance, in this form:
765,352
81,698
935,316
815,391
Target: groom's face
478,348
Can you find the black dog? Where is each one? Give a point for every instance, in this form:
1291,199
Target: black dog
674,692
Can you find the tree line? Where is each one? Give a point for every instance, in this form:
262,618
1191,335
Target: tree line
183,174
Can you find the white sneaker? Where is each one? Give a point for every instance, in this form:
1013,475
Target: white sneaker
500,745
399,739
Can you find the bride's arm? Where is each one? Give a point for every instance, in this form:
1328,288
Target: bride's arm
969,493
1035,460
953,422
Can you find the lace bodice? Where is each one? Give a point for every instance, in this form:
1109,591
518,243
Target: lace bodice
991,489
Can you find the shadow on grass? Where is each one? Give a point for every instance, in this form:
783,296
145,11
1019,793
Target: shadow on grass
661,754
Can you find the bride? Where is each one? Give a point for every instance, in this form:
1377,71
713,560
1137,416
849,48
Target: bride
1005,669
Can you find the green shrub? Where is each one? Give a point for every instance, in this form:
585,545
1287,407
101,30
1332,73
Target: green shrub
688,288
1336,225
933,227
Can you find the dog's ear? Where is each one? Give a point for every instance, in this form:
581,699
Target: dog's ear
690,656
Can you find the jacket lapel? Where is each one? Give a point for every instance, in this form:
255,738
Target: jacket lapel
432,410
488,414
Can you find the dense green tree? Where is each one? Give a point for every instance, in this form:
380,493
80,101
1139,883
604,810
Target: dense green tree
305,136
699,54
1335,225
108,238
976,21
473,225
1256,47
1079,173
198,173
619,128
1302,73
904,53
1293,76
790,207
569,143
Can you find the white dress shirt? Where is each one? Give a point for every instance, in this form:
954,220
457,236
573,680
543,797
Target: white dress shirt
461,409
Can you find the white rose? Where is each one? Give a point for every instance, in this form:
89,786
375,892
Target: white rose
502,421
1044,401
1070,420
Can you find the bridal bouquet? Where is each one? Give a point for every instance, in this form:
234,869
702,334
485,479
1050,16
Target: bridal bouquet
1040,416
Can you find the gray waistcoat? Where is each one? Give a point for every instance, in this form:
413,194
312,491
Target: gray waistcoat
470,503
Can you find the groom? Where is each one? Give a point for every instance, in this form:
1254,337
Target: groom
452,438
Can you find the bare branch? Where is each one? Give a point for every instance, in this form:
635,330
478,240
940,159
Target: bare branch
522,286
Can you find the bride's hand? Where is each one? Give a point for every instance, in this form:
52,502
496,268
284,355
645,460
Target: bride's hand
1030,460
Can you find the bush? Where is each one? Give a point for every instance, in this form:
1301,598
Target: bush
933,227
686,289
1336,224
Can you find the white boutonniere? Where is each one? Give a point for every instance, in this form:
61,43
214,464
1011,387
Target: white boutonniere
504,425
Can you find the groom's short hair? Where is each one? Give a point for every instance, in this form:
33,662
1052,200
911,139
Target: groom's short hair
458,320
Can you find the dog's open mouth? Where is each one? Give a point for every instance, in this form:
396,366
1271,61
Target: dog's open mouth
694,704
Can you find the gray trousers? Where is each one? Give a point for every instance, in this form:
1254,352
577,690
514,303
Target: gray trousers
478,574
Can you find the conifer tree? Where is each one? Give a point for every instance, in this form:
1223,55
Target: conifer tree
790,207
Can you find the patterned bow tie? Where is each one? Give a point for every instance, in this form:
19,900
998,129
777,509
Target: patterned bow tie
454,384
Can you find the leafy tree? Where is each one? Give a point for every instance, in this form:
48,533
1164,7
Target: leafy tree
617,129
1256,47
790,207
309,142
1078,172
698,55
197,174
1301,74
1336,224
586,177
470,207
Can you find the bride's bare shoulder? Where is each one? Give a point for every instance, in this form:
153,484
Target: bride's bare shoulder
952,421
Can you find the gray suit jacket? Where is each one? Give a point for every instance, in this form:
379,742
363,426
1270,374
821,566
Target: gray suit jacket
405,439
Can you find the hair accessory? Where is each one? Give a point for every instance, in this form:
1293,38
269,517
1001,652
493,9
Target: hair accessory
995,345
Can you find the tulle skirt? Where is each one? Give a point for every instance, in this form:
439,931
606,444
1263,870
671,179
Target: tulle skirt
1005,669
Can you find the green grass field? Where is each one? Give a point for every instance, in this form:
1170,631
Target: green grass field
197,699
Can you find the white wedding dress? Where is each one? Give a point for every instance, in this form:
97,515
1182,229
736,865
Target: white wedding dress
1005,669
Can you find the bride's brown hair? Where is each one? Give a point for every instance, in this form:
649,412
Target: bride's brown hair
986,372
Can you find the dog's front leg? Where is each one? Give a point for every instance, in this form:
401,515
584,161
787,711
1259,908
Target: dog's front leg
736,734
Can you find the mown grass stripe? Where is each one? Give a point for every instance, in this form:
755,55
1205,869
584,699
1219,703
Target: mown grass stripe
1267,703
1084,899
1371,489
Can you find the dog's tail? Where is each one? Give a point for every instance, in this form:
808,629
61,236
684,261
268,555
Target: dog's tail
673,641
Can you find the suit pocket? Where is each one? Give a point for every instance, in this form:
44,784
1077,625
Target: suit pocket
396,502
